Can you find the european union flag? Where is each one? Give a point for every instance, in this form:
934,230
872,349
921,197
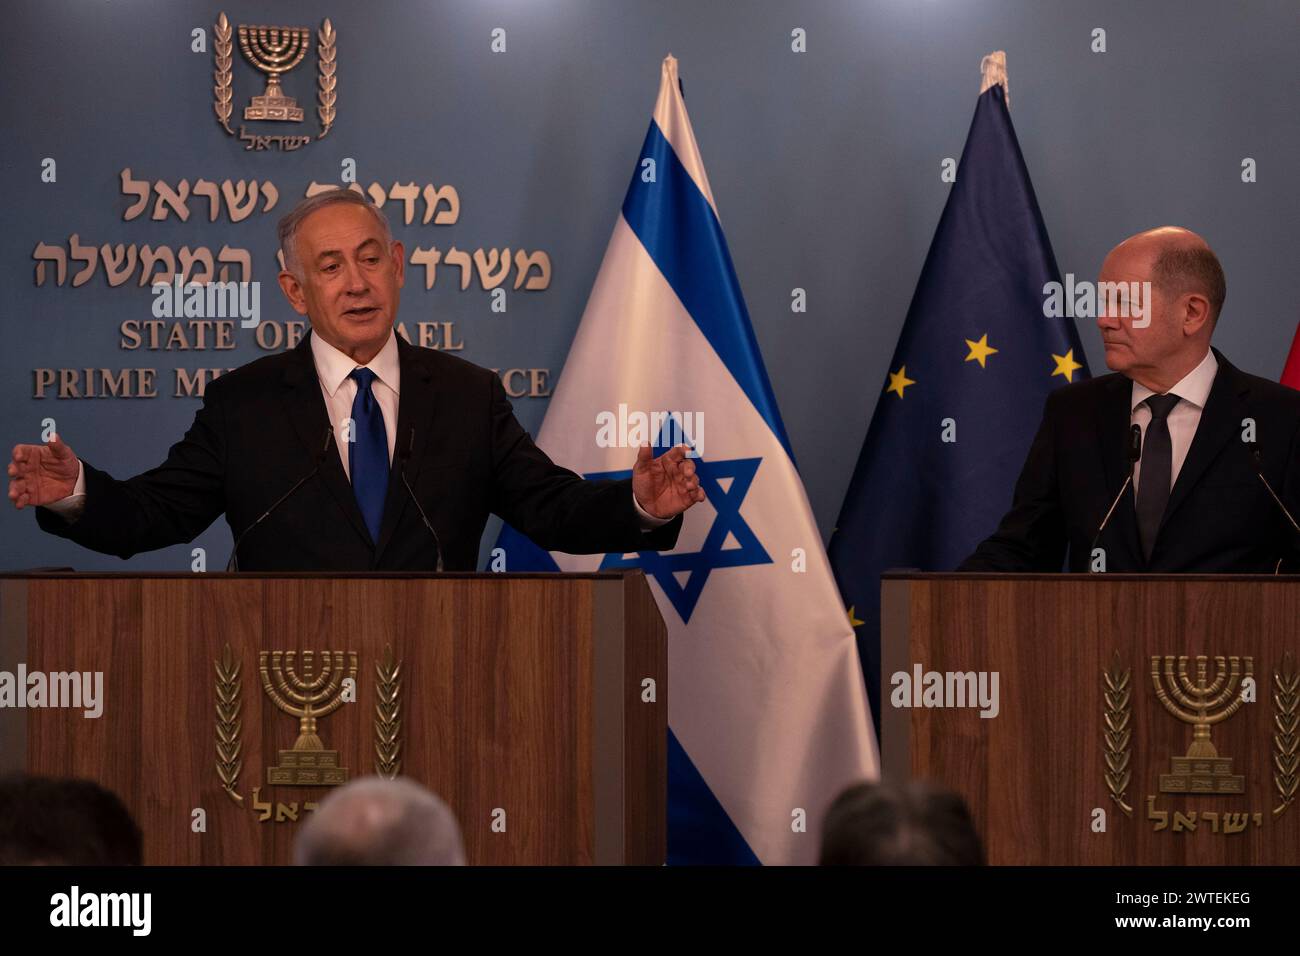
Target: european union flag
965,391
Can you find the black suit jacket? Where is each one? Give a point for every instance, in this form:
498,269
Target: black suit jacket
1220,517
263,426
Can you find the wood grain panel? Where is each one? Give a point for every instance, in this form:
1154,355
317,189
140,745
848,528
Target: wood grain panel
645,728
496,708
1034,774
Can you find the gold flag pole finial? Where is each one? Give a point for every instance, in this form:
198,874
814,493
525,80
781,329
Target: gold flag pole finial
993,69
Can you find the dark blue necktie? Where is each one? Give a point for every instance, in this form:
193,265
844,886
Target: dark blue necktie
368,452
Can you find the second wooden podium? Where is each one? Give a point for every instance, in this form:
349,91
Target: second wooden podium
1135,719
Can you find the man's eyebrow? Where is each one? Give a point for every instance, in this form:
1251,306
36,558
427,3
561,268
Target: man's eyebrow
327,253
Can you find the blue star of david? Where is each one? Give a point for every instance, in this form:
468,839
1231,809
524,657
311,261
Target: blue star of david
711,556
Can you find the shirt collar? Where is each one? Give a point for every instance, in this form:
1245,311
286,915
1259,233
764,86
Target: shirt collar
333,367
1194,387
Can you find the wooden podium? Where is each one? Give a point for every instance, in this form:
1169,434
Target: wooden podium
1080,725
523,700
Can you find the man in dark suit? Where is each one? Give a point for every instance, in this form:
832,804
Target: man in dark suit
356,414
1196,501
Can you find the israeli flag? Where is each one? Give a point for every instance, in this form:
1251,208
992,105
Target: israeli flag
767,710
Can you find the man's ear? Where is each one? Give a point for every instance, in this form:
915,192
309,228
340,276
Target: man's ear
398,252
293,291
1196,313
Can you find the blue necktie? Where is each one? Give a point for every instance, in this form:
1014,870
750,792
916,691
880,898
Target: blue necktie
368,452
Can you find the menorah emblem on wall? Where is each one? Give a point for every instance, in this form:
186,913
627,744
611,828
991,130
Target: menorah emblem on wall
275,51
1201,703
310,695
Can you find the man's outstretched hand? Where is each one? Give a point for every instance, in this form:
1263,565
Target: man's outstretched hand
664,486
41,474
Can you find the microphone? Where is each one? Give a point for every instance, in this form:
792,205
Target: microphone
401,470
1134,455
1255,457
233,563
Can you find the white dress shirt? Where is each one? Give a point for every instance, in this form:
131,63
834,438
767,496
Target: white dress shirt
333,370
1193,391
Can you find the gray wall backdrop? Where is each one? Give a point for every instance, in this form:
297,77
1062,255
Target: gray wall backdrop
825,166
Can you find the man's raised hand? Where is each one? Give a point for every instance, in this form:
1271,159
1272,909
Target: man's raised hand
665,486
42,474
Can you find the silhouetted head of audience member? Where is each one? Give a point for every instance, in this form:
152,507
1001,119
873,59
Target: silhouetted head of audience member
912,824
376,822
49,821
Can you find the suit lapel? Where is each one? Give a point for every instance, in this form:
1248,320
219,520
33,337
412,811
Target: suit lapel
1220,422
1113,434
306,408
415,407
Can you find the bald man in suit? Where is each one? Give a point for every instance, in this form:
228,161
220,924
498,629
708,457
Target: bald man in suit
1211,437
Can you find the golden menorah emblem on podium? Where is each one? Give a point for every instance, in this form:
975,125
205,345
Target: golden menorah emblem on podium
275,51
314,693
1201,703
